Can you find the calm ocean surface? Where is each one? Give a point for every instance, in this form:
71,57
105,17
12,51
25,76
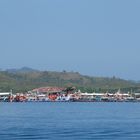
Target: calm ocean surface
69,121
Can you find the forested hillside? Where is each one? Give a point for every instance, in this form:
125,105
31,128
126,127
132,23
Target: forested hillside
27,79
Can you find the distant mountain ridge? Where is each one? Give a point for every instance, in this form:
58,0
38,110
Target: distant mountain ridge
21,70
26,79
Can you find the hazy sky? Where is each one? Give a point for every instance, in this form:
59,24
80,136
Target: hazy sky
93,37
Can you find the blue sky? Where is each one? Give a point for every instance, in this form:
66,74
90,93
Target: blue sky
93,37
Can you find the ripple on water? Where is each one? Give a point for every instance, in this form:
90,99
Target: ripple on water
69,121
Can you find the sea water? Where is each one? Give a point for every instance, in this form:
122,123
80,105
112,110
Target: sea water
69,121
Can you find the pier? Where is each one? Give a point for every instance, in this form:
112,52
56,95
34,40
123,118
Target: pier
57,94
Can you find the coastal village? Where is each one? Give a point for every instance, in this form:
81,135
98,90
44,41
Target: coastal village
69,94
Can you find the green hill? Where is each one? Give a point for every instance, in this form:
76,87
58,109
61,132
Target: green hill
29,79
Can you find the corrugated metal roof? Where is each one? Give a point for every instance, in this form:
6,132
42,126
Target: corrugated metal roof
5,93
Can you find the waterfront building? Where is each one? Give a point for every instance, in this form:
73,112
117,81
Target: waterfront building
4,96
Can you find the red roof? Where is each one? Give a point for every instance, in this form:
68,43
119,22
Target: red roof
48,89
